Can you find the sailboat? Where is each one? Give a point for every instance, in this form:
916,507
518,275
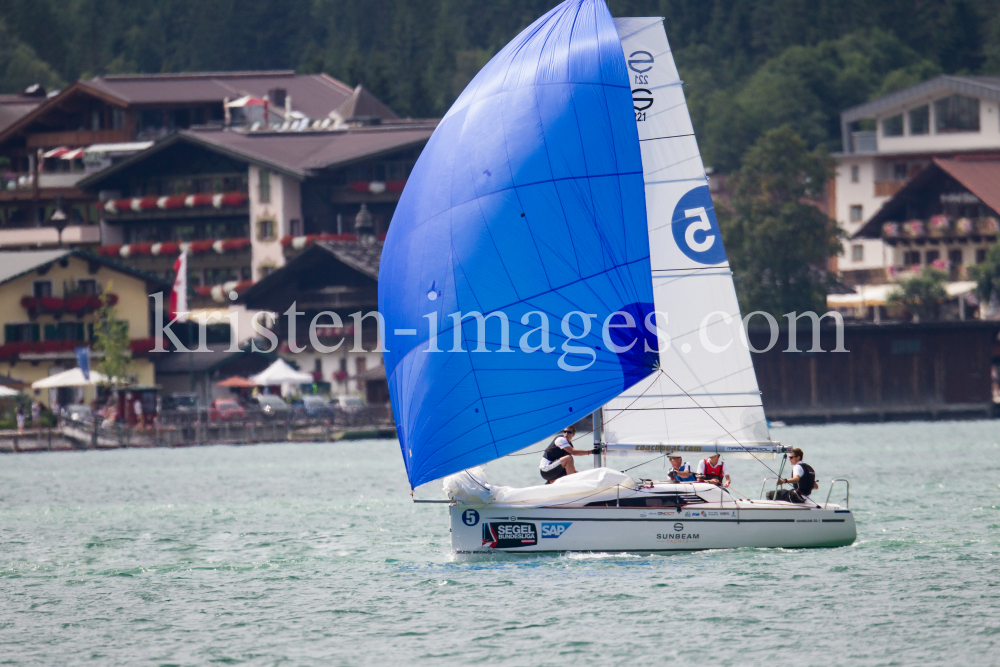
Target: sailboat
556,253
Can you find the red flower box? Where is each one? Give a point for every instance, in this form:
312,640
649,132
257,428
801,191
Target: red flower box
142,345
77,304
29,302
199,200
234,199
199,247
51,304
286,241
169,248
233,245
141,249
109,250
172,202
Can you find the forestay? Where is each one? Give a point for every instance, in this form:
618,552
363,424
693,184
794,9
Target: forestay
706,391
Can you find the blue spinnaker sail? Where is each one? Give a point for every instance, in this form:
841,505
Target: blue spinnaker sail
527,202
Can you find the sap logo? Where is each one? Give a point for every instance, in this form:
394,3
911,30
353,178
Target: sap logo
470,517
553,530
696,229
640,62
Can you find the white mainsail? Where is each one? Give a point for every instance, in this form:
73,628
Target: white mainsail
705,390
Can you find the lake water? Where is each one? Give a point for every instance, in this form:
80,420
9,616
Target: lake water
313,555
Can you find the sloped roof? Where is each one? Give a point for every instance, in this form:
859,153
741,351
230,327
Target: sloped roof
361,103
16,263
360,257
979,174
363,258
987,87
294,153
15,107
315,95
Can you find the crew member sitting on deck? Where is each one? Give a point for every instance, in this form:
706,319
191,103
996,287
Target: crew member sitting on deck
680,470
557,461
713,471
803,477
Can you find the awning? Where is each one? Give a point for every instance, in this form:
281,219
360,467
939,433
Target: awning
7,391
281,373
236,382
71,378
122,147
64,153
246,101
876,295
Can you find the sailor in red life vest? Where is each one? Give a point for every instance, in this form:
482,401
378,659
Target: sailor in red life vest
713,471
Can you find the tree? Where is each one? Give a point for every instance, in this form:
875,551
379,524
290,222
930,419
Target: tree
920,293
111,338
779,243
987,276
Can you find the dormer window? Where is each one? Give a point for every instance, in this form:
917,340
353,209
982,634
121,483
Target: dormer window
892,126
956,113
920,120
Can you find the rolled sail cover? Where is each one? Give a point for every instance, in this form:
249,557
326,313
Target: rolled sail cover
528,198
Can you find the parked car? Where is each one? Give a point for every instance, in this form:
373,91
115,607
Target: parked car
273,406
314,407
225,409
180,402
349,402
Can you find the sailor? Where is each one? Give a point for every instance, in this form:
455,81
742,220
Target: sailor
713,471
557,461
680,470
803,477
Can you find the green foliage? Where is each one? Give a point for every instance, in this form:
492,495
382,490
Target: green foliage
806,87
920,294
778,243
750,65
111,338
987,274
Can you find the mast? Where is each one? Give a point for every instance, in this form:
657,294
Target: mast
598,434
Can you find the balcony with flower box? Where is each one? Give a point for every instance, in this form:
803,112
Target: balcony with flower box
171,248
174,206
76,305
61,349
941,229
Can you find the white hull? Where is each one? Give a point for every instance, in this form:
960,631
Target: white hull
646,529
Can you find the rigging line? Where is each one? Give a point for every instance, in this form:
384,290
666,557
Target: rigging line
605,422
719,423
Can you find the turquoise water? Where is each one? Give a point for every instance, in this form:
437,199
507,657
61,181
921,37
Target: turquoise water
313,555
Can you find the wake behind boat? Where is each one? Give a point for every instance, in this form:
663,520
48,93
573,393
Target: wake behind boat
555,253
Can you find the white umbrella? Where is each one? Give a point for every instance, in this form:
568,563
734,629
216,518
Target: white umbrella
7,391
280,373
71,378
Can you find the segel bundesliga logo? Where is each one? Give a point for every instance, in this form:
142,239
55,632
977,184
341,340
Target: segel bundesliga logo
509,534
